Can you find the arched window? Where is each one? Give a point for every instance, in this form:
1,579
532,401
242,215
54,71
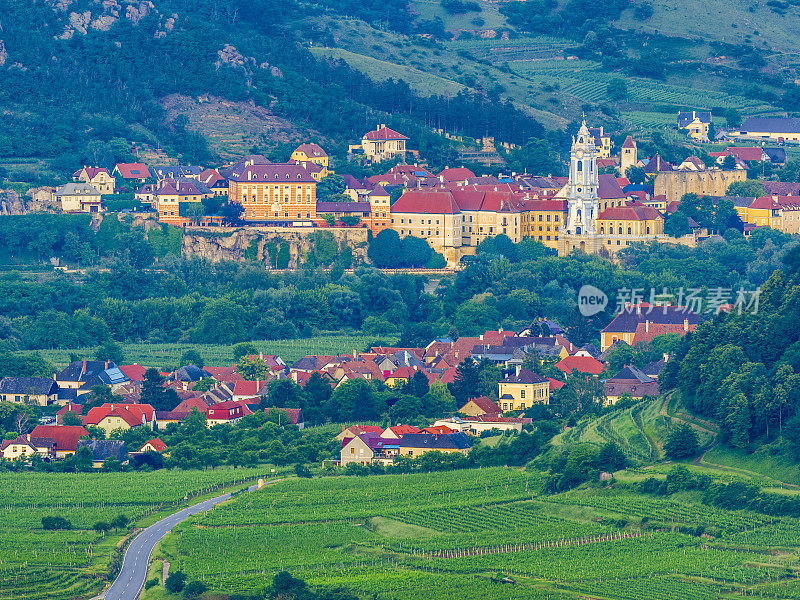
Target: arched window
580,166
602,230
648,230
629,230
591,166
620,230
579,214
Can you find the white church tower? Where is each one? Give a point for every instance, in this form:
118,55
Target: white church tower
583,205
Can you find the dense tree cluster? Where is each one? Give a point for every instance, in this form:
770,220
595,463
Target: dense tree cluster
743,369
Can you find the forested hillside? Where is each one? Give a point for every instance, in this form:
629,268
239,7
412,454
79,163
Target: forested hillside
743,370
82,88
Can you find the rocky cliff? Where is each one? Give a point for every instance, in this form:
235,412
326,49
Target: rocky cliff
257,243
35,200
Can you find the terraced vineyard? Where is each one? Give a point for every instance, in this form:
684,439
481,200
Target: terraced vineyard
37,564
436,536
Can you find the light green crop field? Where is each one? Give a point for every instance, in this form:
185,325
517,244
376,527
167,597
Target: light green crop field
64,565
168,355
448,535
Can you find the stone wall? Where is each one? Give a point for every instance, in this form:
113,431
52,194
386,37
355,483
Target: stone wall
675,184
222,243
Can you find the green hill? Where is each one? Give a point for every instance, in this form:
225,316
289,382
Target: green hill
81,82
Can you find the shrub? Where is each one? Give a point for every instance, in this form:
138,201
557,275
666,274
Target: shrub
175,582
151,583
55,523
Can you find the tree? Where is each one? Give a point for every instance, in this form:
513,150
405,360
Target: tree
110,351
750,188
101,527
56,523
194,589
384,248
302,471
467,381
419,384
243,349
71,418
635,174
252,369
192,357
682,443
617,89
120,522
155,394
729,162
83,460
175,582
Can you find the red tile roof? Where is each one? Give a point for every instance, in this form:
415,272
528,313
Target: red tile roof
485,404
133,372
555,384
132,414
765,203
583,364
745,153
66,437
248,388
630,213
311,150
384,133
193,402
133,170
456,174
629,143
426,203
156,443
92,172
400,430
272,173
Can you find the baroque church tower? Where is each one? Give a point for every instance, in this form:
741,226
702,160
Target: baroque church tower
583,204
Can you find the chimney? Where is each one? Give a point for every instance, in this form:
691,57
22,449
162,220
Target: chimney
666,357
639,309
83,368
518,367
647,325
343,428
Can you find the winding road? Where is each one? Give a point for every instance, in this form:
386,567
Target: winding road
130,581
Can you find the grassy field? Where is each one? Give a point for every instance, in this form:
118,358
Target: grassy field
70,564
167,356
447,535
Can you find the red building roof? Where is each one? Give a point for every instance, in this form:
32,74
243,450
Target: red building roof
133,372
66,437
156,443
133,170
456,174
426,203
630,213
384,133
485,404
583,364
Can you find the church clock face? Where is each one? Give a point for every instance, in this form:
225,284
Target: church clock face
579,154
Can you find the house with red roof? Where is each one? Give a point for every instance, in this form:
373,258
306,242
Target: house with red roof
369,447
226,412
111,416
133,172
154,445
24,447
450,175
746,154
65,437
214,181
555,384
481,406
582,364
243,389
625,325
134,372
355,430
382,144
397,431
98,177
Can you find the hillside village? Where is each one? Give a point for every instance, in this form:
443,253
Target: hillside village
619,197
224,395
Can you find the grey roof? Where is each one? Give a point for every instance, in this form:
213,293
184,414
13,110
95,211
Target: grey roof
337,207
740,201
191,373
103,449
28,385
632,373
686,117
770,125
79,188
782,188
654,368
84,370
430,441
776,155
525,376
404,358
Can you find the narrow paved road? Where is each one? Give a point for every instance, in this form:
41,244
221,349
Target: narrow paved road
131,578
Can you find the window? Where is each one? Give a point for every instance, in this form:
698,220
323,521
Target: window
522,393
629,230
580,166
